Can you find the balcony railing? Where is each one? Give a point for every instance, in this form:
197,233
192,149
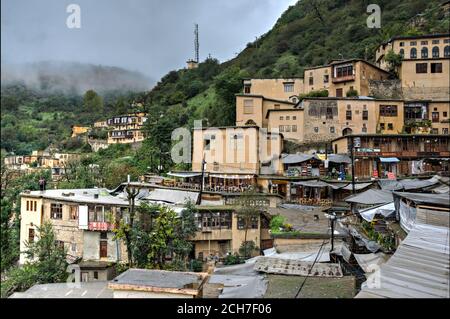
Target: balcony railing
343,79
100,226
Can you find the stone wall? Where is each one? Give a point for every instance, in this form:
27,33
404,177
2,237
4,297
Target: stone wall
386,89
426,93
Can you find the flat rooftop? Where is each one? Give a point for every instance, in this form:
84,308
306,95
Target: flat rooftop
159,281
97,289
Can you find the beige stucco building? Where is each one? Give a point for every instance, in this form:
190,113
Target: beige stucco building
329,118
341,76
424,71
236,150
222,231
288,122
82,220
277,89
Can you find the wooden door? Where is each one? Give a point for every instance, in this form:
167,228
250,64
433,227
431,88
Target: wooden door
103,249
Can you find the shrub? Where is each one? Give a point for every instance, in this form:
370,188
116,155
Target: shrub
351,93
247,248
233,260
196,265
276,223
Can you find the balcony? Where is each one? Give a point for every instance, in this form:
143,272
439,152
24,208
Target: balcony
343,79
100,226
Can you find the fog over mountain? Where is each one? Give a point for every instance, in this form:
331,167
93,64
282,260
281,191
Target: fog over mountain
74,77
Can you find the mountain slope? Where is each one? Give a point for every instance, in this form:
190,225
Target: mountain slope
73,77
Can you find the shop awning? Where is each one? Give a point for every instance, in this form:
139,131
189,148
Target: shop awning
226,176
298,158
371,197
358,186
389,160
385,210
339,158
313,183
184,174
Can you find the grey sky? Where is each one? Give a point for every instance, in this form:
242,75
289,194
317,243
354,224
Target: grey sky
150,36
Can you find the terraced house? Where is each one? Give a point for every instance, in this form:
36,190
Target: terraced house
126,129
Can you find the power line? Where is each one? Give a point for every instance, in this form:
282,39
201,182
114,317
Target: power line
310,269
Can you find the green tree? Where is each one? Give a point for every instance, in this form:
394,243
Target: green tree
248,211
182,244
92,102
394,61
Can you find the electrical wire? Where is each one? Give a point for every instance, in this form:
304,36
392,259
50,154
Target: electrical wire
319,253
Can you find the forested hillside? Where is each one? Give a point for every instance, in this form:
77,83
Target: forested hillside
310,33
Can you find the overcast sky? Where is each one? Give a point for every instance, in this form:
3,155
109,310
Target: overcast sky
150,36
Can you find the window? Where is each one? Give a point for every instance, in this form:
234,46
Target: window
435,41
435,117
104,235
73,210
446,40
434,131
365,115
281,118
424,53
294,128
288,118
56,211
444,114
390,126
247,89
287,128
281,128
28,205
388,110
329,114
248,106
59,243
436,67
294,118
348,115
316,130
447,51
445,131
413,53
382,127
424,42
207,145
326,78
364,128
288,87
412,43
402,44
421,67
332,130
344,70
276,106
435,52
339,92
95,274
402,53
31,235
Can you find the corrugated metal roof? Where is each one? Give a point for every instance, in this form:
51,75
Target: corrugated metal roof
418,269
172,196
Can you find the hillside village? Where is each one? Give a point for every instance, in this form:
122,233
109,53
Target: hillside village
335,177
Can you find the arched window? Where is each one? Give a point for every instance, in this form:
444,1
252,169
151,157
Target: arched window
424,53
436,52
447,51
250,123
413,53
402,53
347,131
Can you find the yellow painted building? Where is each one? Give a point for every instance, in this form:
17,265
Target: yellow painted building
79,130
127,128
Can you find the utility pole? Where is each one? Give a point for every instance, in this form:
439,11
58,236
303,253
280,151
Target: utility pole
353,164
199,200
